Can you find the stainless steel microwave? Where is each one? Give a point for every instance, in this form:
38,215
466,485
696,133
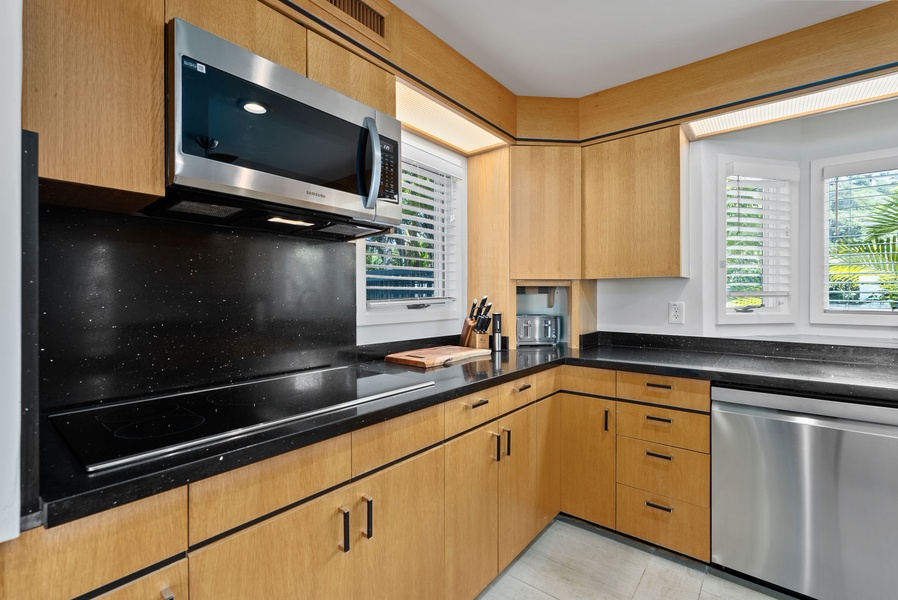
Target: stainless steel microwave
254,144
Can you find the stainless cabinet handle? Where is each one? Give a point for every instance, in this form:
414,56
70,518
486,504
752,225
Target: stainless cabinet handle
666,509
370,502
660,386
656,455
346,532
659,419
523,388
167,594
498,446
508,441
481,402
607,412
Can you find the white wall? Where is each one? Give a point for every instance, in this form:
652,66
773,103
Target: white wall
640,305
10,264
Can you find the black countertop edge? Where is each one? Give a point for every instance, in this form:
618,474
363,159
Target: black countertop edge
825,350
69,493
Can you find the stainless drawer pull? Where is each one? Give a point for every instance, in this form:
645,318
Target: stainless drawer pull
659,419
656,455
666,509
370,502
346,532
523,388
660,386
167,594
498,446
479,403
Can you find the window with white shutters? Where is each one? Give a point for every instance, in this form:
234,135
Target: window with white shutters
757,251
417,263
861,237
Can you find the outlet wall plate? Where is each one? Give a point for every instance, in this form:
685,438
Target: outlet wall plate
676,312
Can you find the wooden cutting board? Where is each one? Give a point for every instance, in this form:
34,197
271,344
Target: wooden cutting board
434,357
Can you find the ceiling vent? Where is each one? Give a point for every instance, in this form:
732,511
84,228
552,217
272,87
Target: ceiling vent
362,13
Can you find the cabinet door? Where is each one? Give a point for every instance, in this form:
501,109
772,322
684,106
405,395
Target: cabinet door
548,460
544,213
249,24
404,557
299,554
351,75
471,512
518,491
93,89
171,580
633,196
588,476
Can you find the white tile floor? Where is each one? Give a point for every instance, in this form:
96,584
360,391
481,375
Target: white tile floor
571,561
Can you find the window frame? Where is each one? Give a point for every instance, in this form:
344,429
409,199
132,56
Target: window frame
819,270
417,149
772,169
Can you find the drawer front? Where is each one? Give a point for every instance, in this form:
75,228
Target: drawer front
673,472
674,524
665,426
586,380
377,445
693,394
470,411
516,394
546,382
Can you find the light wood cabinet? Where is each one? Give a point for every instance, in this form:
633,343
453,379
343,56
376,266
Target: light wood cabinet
634,206
93,89
75,558
545,211
549,459
588,472
350,74
304,551
169,581
518,491
472,511
249,24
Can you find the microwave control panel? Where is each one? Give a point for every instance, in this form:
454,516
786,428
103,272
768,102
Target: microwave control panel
389,171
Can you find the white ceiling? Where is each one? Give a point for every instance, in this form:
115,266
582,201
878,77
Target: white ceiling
572,48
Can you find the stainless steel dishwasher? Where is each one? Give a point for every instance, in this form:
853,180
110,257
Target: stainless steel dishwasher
804,493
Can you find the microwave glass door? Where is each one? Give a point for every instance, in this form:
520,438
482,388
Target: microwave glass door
231,120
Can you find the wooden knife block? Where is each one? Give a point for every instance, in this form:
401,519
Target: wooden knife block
479,340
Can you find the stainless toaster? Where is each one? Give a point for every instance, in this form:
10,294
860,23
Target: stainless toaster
537,330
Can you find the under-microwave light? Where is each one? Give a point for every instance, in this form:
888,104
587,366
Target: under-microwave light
296,222
255,108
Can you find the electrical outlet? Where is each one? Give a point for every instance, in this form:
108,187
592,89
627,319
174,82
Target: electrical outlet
676,312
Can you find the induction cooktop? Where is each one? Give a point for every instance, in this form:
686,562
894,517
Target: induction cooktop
115,436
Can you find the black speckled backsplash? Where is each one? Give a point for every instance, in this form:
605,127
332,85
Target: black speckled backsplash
134,306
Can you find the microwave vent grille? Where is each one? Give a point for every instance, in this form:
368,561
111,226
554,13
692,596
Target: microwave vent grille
207,210
361,12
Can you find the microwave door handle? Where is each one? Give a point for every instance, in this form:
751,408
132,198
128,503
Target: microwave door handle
374,140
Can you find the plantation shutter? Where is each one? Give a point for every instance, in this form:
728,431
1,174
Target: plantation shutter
862,236
758,232
417,263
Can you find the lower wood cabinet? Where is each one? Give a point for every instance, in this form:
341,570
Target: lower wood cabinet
355,542
492,500
164,584
588,450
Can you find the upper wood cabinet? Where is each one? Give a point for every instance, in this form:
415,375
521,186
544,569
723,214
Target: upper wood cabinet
634,202
249,24
93,90
544,212
351,75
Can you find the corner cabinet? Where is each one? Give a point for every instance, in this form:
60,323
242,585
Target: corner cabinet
545,208
635,206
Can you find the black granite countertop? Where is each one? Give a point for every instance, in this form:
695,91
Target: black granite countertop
838,373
